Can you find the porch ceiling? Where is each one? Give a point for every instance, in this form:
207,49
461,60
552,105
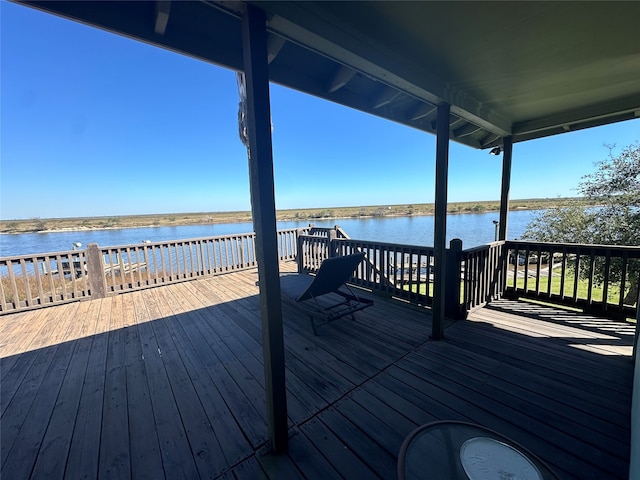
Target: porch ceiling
527,69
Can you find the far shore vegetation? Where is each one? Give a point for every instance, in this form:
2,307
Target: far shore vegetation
304,214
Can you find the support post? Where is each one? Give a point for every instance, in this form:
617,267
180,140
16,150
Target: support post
507,148
95,271
254,42
333,248
453,280
440,220
637,331
634,464
300,249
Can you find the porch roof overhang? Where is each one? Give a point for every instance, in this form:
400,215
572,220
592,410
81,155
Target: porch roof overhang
520,69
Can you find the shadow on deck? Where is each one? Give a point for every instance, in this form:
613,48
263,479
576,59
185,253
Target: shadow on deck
168,383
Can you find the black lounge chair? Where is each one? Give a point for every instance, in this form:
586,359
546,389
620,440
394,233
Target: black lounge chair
305,290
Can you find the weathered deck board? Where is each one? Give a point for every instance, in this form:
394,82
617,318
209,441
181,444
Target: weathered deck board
146,458
498,407
57,440
188,442
85,441
168,382
194,366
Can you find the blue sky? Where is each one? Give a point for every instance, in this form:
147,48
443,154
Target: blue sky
96,124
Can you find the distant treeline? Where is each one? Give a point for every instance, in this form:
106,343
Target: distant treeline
424,208
136,221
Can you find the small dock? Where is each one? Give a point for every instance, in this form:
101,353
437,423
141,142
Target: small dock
123,268
79,268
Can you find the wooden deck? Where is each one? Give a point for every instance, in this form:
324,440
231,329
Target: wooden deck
168,383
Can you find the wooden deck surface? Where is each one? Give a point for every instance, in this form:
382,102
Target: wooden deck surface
168,383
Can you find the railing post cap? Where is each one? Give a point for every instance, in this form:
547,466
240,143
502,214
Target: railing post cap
456,243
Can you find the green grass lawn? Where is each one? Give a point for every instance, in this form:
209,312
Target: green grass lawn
613,294
597,291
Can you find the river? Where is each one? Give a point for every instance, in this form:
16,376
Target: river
473,228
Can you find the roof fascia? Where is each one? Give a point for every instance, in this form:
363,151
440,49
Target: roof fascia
591,115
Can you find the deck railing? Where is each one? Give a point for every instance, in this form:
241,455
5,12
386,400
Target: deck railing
601,279
338,232
30,281
598,278
483,273
403,271
132,267
312,250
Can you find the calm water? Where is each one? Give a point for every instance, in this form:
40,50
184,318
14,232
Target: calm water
473,229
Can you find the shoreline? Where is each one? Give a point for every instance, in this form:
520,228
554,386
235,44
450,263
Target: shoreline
79,224
310,220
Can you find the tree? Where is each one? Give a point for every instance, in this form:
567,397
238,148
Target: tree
615,187
569,224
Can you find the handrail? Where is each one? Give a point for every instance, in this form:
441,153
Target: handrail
599,278
312,251
402,271
31,281
587,273
324,231
483,275
131,267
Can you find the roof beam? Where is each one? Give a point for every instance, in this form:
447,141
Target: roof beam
387,96
455,121
490,141
423,110
163,8
465,130
274,45
342,76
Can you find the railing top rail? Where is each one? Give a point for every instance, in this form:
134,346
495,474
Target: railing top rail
342,233
632,251
30,256
325,230
317,238
179,241
484,247
372,243
386,244
192,240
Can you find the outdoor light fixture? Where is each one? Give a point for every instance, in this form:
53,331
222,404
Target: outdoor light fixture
76,245
495,151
